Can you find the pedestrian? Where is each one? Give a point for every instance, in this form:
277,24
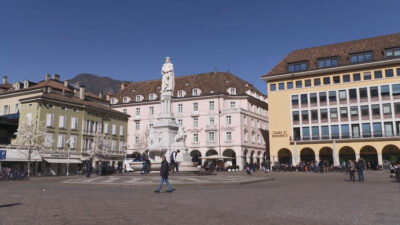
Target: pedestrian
173,161
145,160
352,170
360,170
164,176
88,168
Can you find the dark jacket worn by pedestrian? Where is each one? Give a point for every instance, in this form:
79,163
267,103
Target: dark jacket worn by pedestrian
164,168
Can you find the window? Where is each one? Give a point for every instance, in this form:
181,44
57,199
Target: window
299,84
373,91
364,110
317,81
212,121
393,52
114,129
333,112
211,105
228,120
346,78
375,110
49,120
136,140
306,133
389,73
366,129
211,136
180,93
74,123
388,129
297,67
385,90
233,105
195,138
62,121
361,57
307,83
324,114
343,113
314,114
228,136
335,131
313,98
296,133
304,116
304,99
233,91
124,111
342,95
295,116
395,89
325,63
281,86
325,132
253,138
289,85
121,146
377,129
378,74
106,128
356,77
246,138
345,131
151,110
125,99
195,106
354,111
137,125
137,111
272,87
315,132
48,141
138,98
180,122
151,96
245,120
195,122
61,141
327,80
367,76
355,128
295,100
180,108
121,130
195,92
332,96
387,109
353,94
363,93
322,97
114,145
336,79
73,141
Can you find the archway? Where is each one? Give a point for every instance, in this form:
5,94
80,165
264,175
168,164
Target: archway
307,155
196,156
258,159
251,157
390,154
265,156
370,155
229,153
345,154
326,153
211,152
285,156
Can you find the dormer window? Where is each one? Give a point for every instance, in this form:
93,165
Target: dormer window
361,57
152,96
195,92
138,98
392,52
232,91
114,101
326,63
297,67
180,93
126,99
26,84
17,86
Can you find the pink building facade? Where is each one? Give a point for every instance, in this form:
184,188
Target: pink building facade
221,114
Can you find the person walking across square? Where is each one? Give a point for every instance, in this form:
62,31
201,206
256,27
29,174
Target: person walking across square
352,170
164,176
174,163
145,161
360,170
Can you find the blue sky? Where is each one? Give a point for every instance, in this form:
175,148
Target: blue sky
128,40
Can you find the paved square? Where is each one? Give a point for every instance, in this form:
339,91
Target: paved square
292,198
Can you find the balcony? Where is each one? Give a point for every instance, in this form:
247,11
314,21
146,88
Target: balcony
211,127
345,136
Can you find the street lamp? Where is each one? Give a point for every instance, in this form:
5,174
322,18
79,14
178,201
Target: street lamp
68,143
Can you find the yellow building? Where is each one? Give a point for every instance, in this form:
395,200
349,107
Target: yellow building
337,102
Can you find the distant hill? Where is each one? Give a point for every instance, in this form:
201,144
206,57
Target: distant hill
97,84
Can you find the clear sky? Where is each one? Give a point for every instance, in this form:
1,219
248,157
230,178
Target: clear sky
128,40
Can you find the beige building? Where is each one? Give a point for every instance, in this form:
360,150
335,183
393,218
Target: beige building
337,102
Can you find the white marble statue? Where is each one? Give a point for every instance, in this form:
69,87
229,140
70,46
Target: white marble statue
168,79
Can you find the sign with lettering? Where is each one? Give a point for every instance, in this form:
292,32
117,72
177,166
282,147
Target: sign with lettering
279,134
3,154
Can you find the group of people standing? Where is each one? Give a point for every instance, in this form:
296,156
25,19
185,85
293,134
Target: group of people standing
353,166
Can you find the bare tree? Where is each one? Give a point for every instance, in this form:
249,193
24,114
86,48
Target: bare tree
101,146
31,138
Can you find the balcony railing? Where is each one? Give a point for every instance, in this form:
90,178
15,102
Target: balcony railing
345,136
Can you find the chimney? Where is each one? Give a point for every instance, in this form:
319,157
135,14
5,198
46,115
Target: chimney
123,85
47,77
82,92
108,96
100,95
56,77
66,83
4,79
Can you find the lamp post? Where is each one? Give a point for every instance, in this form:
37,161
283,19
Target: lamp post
126,151
68,143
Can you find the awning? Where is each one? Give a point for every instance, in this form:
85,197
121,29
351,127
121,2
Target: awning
19,155
70,161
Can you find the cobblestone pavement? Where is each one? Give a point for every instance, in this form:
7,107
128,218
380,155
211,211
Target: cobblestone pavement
292,198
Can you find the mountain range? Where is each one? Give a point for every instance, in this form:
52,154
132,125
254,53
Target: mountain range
96,84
